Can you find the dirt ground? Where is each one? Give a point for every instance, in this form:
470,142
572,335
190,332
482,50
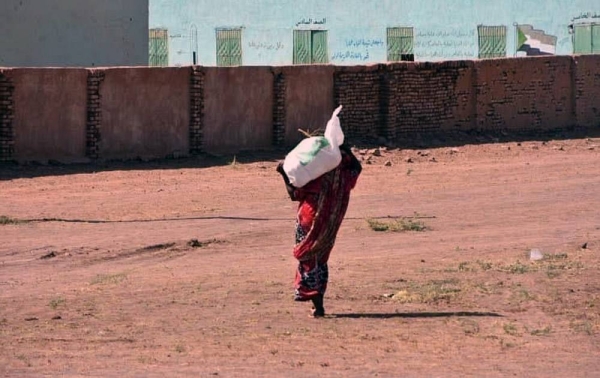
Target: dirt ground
184,268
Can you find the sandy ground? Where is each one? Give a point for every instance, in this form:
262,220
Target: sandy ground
108,280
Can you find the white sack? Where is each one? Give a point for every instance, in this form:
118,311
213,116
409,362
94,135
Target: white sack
315,156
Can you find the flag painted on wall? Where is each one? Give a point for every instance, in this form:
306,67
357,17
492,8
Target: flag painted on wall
535,42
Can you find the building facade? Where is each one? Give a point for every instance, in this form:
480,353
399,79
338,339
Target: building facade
76,33
350,32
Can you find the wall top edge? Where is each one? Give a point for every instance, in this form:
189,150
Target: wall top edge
341,68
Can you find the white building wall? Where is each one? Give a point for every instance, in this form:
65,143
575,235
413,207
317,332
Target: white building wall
61,33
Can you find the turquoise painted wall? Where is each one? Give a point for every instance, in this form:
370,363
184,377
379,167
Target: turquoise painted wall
443,29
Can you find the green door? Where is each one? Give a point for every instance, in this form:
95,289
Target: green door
596,39
400,42
302,47
582,41
310,46
229,47
492,41
319,46
158,49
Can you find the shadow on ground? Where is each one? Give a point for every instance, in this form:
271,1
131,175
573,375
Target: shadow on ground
179,219
13,170
414,315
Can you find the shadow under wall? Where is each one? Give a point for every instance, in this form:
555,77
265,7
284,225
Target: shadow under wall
13,170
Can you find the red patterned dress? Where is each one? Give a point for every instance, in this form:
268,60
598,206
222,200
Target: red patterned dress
323,204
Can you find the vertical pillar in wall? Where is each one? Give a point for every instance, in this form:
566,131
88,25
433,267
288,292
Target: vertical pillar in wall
94,114
196,110
387,102
7,135
279,89
474,125
574,93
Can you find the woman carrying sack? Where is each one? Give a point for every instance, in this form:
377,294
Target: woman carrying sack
323,204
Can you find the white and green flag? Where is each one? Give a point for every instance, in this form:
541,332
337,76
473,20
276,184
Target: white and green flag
535,42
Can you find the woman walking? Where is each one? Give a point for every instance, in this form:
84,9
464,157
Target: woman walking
322,205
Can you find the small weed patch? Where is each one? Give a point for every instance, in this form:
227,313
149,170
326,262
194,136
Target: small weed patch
556,257
396,225
103,279
55,302
583,327
468,266
430,292
510,329
541,332
516,268
4,220
22,357
521,296
470,327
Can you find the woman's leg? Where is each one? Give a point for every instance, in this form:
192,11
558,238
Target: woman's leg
318,310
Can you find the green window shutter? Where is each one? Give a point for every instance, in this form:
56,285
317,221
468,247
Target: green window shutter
319,46
394,45
492,41
302,47
400,43
229,47
158,49
582,42
596,39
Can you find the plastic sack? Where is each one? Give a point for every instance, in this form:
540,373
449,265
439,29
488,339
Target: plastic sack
315,156
333,131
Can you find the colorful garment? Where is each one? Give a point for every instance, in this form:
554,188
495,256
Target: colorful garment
323,204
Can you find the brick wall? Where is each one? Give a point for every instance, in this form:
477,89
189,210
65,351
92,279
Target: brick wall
7,137
391,100
586,80
129,112
196,110
429,97
279,90
94,113
358,89
525,94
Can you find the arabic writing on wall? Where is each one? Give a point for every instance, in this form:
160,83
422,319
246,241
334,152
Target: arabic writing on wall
451,44
364,42
358,49
586,15
274,46
311,21
343,56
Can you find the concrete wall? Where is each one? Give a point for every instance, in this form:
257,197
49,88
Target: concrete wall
71,114
443,29
67,33
50,114
308,99
144,112
238,108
